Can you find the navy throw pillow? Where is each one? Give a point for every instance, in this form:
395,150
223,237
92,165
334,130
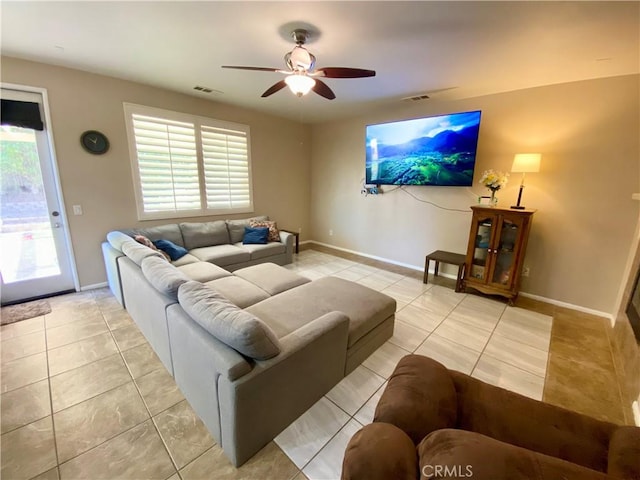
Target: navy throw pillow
258,235
174,251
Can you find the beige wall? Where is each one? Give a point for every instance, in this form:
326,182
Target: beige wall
81,101
588,135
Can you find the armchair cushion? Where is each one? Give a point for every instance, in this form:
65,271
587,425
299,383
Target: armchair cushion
624,453
471,455
527,423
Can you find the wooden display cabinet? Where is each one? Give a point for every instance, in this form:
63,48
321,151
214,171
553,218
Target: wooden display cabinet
497,244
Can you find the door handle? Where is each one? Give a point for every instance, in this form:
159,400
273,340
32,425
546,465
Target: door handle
55,213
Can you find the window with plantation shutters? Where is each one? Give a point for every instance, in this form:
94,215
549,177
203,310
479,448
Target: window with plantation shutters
184,165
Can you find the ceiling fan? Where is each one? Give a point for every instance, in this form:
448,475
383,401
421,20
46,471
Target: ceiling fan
302,77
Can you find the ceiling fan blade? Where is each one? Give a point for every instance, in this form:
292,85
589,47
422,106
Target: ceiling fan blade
275,88
343,72
323,90
258,69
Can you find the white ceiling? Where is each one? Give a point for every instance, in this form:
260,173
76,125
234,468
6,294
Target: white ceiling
467,48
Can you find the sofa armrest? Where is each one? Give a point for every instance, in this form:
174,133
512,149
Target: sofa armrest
287,239
419,398
199,360
259,405
110,256
624,453
380,451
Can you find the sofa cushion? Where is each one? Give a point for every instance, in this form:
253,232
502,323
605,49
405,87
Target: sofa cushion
288,311
261,251
138,252
117,238
471,455
238,291
236,227
170,231
624,452
271,278
221,254
186,260
175,252
513,418
419,398
203,271
228,323
163,276
255,236
204,234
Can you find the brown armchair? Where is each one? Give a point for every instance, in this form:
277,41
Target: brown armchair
436,423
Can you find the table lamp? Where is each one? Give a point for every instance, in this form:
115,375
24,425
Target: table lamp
525,163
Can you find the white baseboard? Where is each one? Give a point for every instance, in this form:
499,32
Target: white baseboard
571,306
386,260
94,286
421,269
636,413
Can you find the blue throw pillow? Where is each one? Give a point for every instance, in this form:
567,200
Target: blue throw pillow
258,235
174,251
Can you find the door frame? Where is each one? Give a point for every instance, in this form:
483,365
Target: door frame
54,171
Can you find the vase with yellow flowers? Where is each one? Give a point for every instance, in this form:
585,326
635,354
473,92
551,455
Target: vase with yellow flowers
494,181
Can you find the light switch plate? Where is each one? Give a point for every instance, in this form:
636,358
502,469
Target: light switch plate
77,209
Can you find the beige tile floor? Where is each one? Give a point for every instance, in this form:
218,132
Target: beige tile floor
84,396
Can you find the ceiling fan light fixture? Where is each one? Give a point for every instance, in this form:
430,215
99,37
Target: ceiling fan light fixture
300,84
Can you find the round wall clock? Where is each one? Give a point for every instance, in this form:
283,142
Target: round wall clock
94,142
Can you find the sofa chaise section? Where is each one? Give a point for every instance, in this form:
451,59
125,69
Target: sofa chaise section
246,402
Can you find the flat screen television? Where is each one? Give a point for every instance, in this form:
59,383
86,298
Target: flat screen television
439,150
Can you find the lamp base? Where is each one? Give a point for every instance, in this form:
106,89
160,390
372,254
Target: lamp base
517,207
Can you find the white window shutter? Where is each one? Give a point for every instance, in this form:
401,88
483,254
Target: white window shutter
225,154
167,164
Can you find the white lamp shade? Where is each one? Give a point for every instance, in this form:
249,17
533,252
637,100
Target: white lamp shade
526,163
300,84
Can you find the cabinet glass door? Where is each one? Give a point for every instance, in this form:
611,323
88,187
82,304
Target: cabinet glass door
506,246
480,260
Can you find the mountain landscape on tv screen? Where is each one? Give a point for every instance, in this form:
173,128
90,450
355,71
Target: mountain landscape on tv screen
447,158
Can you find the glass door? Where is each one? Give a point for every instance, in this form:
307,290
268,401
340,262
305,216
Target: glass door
480,261
507,243
35,257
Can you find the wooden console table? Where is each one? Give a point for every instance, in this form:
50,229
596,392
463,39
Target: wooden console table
445,257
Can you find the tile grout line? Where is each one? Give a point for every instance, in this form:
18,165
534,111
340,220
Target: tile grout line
144,402
53,421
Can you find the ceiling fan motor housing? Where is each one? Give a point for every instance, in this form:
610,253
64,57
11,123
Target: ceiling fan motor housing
299,59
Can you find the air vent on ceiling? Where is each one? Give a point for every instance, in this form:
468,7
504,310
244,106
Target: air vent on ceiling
205,89
416,98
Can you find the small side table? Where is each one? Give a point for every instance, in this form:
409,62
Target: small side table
445,257
295,234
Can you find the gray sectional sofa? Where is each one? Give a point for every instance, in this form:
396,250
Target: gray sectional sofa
252,349
218,242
